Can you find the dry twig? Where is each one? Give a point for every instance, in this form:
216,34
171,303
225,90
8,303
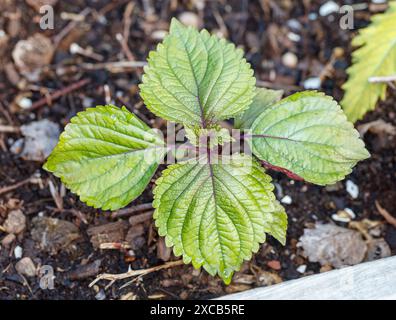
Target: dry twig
15,186
70,26
9,129
382,79
59,93
129,211
116,66
134,273
387,216
127,26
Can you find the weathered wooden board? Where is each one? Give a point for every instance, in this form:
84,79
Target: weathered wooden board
370,280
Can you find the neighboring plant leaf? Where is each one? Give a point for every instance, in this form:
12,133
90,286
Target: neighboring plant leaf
107,156
195,78
308,134
375,57
263,99
215,215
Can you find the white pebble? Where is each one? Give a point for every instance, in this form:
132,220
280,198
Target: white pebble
75,48
2,33
189,19
350,213
294,24
88,102
302,268
287,200
378,1
101,295
294,36
312,83
328,8
340,218
289,59
25,103
312,16
18,252
352,189
159,35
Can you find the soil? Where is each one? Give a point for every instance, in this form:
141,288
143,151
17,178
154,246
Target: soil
262,29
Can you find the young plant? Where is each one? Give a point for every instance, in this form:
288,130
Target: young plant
372,64
215,211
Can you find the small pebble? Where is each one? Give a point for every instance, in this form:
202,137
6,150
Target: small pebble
294,36
279,190
345,215
312,83
325,268
24,103
334,187
294,24
190,19
15,222
18,251
159,35
341,216
26,267
274,264
289,59
88,102
350,213
100,295
302,268
352,189
75,48
287,200
328,8
313,16
8,240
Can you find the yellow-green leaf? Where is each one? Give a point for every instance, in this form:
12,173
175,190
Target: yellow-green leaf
196,79
376,57
107,156
216,214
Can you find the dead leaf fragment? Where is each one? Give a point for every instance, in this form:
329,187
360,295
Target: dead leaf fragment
41,138
332,245
31,55
52,234
15,222
377,127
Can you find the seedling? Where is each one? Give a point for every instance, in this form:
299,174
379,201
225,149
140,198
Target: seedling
215,212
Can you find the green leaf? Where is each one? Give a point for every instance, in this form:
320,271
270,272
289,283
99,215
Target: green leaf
215,214
213,136
375,57
307,133
264,98
195,78
278,227
107,156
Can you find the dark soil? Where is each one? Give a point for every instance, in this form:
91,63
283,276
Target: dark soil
261,28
